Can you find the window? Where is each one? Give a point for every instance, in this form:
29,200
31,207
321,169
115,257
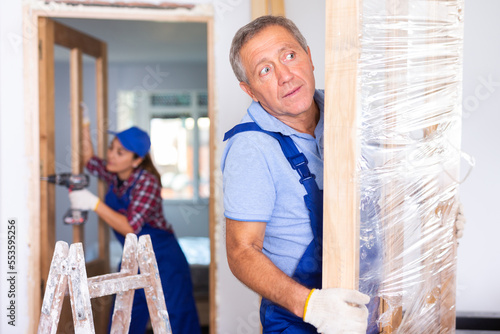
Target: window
179,128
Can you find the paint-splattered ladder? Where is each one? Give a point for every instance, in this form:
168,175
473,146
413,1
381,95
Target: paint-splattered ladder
69,267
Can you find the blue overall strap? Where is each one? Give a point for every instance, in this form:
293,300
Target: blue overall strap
274,318
297,159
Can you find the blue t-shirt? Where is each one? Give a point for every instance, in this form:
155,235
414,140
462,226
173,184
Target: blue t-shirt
260,185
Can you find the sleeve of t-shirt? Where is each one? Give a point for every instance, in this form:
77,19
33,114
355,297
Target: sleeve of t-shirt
249,191
97,167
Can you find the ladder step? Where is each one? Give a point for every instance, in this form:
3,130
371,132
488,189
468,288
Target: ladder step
116,285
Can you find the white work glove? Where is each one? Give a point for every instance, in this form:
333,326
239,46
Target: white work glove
83,200
336,311
85,114
460,221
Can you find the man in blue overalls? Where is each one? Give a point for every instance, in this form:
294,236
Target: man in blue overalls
273,180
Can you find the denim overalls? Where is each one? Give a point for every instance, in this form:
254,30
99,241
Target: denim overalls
274,318
174,274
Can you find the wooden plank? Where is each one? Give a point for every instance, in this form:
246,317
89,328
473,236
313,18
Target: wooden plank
102,143
214,176
102,306
429,247
200,13
117,285
278,7
32,146
76,100
267,7
259,8
153,291
447,208
123,306
79,291
47,144
57,285
72,38
341,188
392,200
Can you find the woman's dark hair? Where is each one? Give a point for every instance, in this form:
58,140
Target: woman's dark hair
147,164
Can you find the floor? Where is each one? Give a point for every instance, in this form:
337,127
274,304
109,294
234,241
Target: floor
463,331
204,330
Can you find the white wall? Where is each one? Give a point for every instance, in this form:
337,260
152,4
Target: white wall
14,166
478,264
313,32
240,316
477,268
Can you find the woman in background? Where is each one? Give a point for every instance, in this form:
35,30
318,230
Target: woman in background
133,204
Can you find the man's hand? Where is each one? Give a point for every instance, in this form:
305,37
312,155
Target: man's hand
460,221
83,200
334,311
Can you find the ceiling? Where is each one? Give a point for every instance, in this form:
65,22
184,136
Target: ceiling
143,41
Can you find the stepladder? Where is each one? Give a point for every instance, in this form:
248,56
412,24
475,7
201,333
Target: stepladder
68,275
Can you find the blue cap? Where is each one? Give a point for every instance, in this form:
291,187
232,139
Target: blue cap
135,140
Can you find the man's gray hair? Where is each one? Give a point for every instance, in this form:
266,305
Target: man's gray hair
250,30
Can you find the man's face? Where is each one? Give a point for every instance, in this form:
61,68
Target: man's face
279,72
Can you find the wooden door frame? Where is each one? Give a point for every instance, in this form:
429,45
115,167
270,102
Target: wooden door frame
52,33
31,13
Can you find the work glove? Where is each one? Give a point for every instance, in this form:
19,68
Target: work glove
336,311
83,200
85,115
460,221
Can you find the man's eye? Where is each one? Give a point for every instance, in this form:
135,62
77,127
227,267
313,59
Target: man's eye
290,56
265,70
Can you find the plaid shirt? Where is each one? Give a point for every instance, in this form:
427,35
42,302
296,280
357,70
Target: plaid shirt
145,198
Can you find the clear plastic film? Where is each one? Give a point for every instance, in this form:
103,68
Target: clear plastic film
409,118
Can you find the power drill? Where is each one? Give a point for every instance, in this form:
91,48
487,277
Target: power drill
72,182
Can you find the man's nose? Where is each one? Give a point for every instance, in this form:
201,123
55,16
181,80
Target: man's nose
284,74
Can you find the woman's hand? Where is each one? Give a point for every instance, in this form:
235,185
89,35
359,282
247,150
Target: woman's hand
83,200
87,148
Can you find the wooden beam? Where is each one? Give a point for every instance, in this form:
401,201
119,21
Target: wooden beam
32,146
447,207
214,176
200,13
72,38
259,8
267,7
76,100
392,200
278,7
101,68
341,184
102,306
47,144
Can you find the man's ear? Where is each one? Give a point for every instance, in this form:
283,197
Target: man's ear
310,58
247,89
